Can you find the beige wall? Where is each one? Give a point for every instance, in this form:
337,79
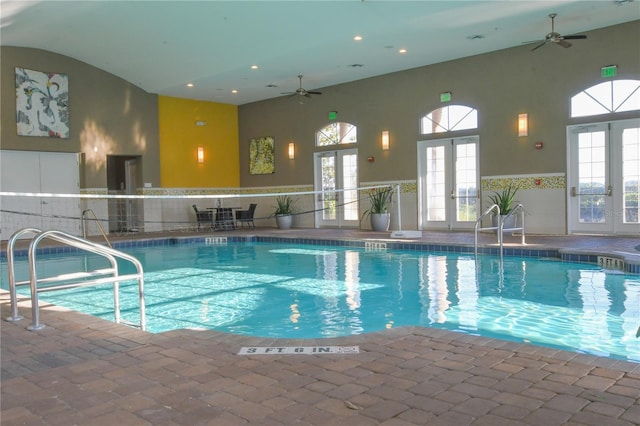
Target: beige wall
499,85
104,112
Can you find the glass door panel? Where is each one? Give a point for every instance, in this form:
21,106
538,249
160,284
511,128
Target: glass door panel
436,181
626,177
466,172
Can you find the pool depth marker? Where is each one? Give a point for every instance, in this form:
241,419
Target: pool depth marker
298,350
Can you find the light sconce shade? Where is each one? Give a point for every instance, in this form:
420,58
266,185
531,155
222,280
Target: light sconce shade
200,154
523,124
292,150
385,140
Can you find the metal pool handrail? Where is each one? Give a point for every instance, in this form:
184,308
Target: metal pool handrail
102,276
500,228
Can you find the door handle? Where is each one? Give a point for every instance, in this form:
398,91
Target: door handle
608,193
453,194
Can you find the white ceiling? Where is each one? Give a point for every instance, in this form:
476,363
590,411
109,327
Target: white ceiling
161,46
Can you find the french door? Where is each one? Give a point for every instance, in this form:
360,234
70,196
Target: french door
604,177
448,183
336,183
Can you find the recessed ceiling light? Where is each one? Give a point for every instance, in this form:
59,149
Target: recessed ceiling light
234,91
189,84
254,67
357,38
402,50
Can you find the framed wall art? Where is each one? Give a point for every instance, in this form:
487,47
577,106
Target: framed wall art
261,156
42,103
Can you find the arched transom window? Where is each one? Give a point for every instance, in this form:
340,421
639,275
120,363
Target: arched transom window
449,118
608,97
336,134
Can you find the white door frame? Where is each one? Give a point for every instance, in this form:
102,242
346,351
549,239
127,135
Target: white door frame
344,193
612,188
450,197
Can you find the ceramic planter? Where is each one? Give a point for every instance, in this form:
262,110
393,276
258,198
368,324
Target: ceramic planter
284,221
380,221
509,223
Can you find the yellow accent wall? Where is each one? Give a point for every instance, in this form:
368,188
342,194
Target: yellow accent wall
180,138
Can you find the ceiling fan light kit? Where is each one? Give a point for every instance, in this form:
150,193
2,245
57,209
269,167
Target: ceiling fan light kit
300,91
557,38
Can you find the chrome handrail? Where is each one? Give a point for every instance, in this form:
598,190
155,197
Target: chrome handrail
500,228
486,213
107,252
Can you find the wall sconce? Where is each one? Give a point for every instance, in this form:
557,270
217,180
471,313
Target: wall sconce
200,154
523,124
292,150
385,140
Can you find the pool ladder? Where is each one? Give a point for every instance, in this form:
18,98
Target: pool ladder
500,228
78,279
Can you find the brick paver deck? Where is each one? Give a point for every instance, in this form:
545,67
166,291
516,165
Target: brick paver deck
86,371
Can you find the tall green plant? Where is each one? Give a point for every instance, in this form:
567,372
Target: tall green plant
284,205
379,198
504,199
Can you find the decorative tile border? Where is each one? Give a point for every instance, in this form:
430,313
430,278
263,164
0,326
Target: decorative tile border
546,181
406,186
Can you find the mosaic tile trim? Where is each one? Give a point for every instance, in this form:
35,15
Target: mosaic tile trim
406,187
94,191
630,266
524,182
226,191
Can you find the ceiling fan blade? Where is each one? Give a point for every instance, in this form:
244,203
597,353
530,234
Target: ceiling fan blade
315,93
539,45
288,93
564,43
575,37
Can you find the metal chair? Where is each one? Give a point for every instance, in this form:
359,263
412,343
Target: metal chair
204,217
246,216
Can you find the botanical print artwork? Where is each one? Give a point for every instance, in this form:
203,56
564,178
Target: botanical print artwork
261,156
42,103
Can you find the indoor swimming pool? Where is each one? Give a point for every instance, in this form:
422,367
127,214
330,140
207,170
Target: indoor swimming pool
314,291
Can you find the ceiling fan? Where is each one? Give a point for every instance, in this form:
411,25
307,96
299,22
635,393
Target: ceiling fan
554,37
301,91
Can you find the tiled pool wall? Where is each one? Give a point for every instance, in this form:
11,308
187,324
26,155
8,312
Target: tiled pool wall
564,254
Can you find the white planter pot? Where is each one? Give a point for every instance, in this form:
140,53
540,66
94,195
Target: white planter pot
509,223
284,221
380,221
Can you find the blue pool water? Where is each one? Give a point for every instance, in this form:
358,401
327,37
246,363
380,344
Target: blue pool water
309,291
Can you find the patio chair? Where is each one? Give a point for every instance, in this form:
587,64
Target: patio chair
204,217
246,216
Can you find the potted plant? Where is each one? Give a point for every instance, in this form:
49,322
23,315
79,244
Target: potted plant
504,200
284,211
378,212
